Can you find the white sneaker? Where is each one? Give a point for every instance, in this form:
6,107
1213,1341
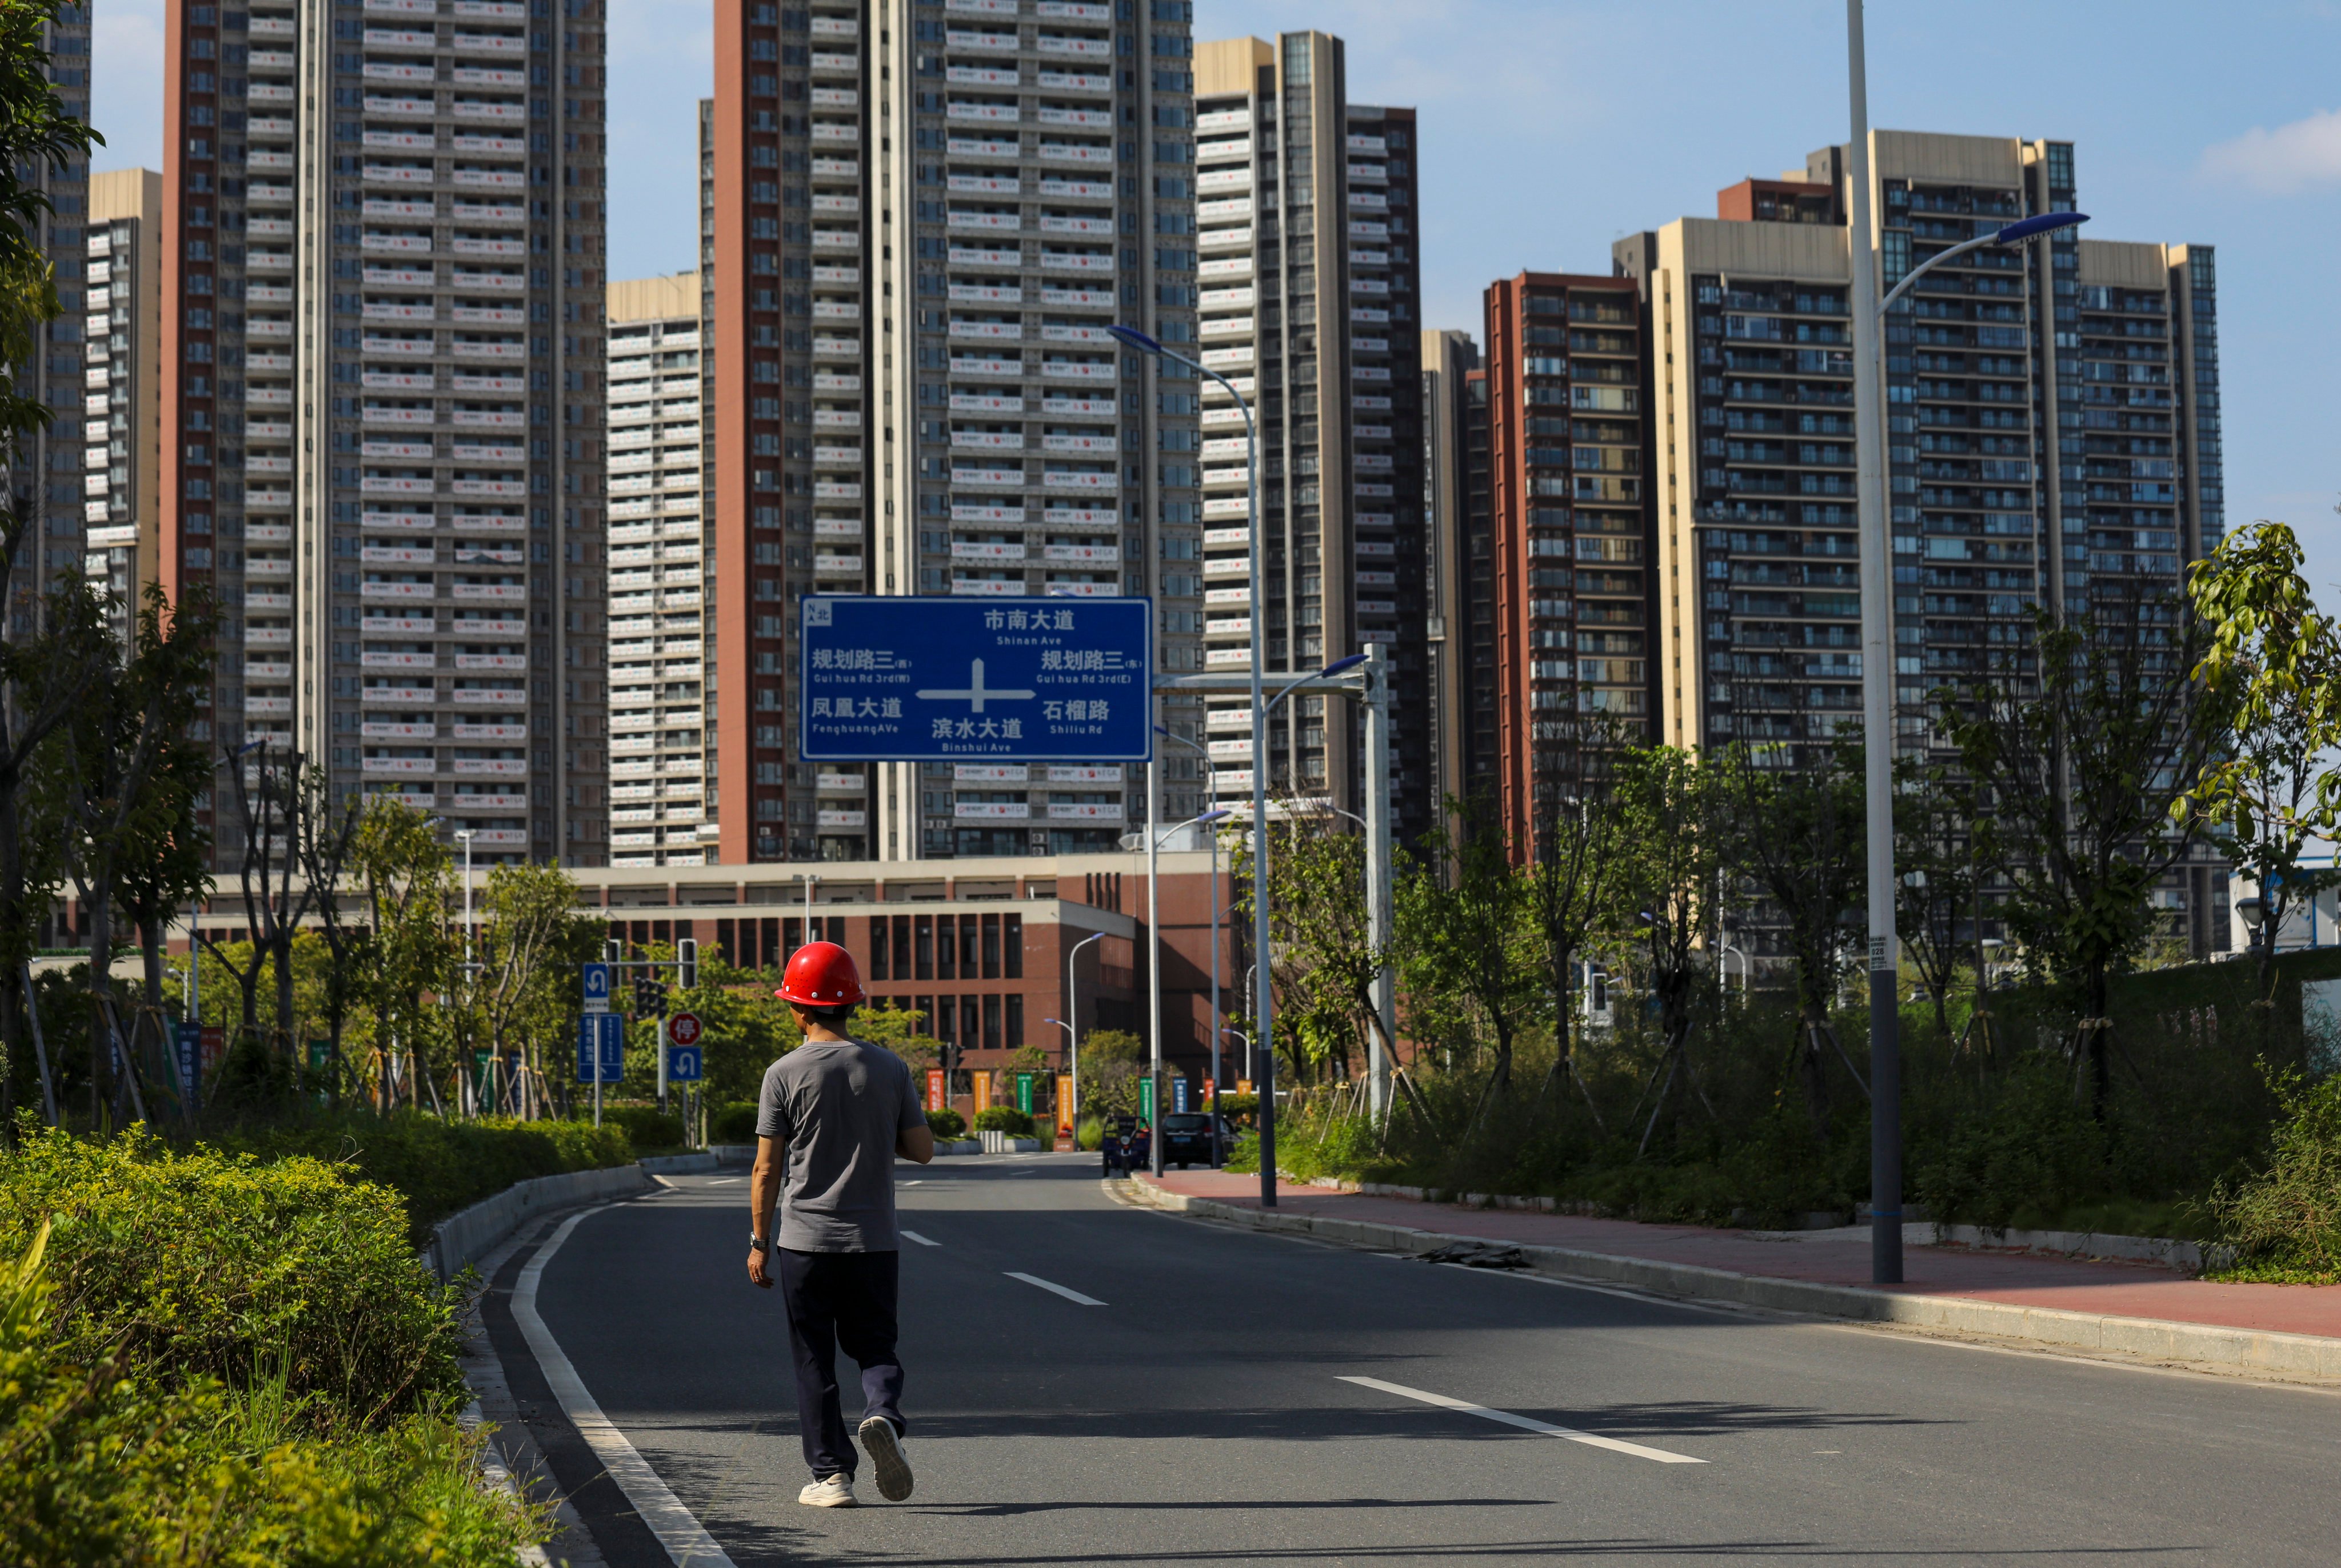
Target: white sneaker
883,1444
829,1492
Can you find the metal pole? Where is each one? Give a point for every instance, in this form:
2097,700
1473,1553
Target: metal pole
1378,890
1153,966
1073,1024
1876,688
1216,1153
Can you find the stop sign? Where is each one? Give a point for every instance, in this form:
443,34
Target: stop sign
683,1028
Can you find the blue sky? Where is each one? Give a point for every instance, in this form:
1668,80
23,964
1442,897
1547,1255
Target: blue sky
1552,127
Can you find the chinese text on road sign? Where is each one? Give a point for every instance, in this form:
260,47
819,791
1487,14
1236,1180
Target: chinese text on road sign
899,680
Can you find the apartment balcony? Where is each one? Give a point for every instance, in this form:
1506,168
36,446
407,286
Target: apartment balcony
997,77
973,43
384,764
489,76
1224,239
1077,190
1107,442
1075,152
1237,151
1050,80
1087,119
837,133
1071,46
1079,370
989,293
490,43
1080,479
829,63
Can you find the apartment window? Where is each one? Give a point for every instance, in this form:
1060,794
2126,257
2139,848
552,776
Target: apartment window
991,947
991,1022
946,949
1011,939
926,948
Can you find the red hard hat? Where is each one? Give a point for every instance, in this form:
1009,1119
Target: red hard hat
821,975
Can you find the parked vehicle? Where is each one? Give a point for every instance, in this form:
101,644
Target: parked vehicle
1187,1139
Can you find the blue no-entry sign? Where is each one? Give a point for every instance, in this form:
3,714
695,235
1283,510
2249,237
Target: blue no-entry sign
597,987
601,1041
683,1065
891,678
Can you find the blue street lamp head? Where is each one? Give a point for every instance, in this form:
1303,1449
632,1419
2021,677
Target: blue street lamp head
1339,665
1132,338
2023,229
1214,815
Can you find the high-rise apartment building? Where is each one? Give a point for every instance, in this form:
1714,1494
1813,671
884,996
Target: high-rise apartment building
2052,432
1451,505
923,218
1569,574
382,397
2053,439
1310,272
660,728
121,410
46,481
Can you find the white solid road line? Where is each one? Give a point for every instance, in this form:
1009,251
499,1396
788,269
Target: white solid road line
686,1539
722,1181
1072,1295
1526,1422
922,1241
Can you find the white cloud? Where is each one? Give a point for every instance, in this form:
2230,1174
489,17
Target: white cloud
2293,157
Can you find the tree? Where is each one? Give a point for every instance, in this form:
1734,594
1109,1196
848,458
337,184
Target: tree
325,834
531,945
2075,753
48,644
1574,880
117,783
2264,797
1668,804
407,878
1464,931
1799,832
1937,851
1327,964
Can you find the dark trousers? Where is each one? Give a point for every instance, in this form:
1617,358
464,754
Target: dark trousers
841,1299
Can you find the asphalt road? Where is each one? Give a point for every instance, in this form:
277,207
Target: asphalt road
1202,1414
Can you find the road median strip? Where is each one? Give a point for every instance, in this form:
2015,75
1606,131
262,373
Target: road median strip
2267,1353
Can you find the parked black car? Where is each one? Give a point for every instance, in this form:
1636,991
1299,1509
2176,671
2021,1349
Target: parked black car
1187,1139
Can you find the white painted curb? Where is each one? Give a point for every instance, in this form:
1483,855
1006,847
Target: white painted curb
464,1236
2300,1356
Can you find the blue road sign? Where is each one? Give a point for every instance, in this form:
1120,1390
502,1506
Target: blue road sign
597,987
189,1038
602,1038
682,1064
891,678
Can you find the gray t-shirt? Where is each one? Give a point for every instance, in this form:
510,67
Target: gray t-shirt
838,1106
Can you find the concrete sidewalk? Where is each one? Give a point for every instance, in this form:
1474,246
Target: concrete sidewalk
2124,1309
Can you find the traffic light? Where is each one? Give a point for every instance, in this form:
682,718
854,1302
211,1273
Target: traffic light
686,963
650,998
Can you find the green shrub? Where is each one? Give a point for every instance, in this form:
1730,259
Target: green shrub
733,1124
438,1166
1005,1119
1245,1155
946,1123
2285,1223
2021,1157
645,1126
181,1267
106,1468
1088,1133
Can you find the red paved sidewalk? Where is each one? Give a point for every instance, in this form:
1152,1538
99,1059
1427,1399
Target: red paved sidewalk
2115,1289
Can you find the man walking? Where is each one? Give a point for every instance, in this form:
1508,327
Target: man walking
836,1111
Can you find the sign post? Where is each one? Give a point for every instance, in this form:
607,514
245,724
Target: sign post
601,1053
188,1038
894,679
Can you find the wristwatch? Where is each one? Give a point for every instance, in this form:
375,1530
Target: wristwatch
759,1243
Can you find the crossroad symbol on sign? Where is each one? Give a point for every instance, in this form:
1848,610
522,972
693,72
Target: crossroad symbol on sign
975,695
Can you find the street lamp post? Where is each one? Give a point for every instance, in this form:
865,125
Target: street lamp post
1073,1050
1211,768
1070,1044
1876,544
1154,958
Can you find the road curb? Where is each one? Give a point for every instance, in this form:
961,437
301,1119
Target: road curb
2209,1346
466,1234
